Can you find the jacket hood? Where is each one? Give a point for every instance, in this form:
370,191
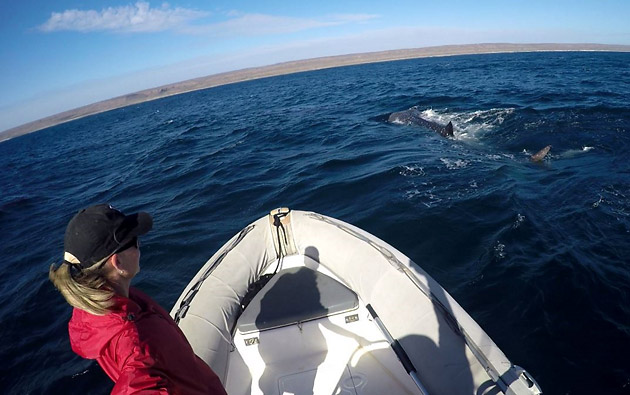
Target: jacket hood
90,334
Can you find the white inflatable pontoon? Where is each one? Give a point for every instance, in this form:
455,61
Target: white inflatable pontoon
300,303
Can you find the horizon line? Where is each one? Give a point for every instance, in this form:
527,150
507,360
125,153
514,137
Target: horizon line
292,67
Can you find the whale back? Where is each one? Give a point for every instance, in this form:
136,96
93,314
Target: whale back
413,117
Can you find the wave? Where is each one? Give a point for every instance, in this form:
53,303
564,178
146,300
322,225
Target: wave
454,164
574,152
470,125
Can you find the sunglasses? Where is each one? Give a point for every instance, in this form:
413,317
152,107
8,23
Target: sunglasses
135,242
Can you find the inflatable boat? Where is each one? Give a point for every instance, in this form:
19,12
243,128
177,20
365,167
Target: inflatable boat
301,303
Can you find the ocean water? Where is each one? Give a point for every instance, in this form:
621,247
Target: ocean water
537,253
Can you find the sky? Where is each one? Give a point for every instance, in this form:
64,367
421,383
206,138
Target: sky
63,54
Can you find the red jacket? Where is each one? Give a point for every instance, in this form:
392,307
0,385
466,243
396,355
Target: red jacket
141,348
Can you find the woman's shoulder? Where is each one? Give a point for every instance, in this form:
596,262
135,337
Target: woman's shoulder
146,302
90,334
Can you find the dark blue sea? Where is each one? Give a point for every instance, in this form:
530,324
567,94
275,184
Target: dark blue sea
537,253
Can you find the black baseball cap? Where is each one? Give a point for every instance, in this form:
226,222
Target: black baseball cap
97,232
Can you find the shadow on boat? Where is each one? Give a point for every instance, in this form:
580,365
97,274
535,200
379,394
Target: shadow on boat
446,360
279,302
441,366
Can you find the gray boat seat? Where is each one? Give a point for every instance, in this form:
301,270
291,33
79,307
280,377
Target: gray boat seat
296,295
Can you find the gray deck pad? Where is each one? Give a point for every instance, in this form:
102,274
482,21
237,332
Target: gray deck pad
296,295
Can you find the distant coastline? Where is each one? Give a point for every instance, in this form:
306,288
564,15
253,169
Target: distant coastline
294,67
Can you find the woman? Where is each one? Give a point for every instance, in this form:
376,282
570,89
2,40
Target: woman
134,340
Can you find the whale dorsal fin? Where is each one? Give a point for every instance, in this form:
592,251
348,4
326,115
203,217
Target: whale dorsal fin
448,130
540,155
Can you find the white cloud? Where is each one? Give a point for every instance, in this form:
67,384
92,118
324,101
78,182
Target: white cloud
347,18
139,17
261,24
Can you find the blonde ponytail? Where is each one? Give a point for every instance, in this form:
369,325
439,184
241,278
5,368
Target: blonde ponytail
87,290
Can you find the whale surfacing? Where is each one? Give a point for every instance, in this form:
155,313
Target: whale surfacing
540,155
413,117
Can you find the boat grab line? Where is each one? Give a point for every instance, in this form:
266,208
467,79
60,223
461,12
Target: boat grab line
192,292
450,318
